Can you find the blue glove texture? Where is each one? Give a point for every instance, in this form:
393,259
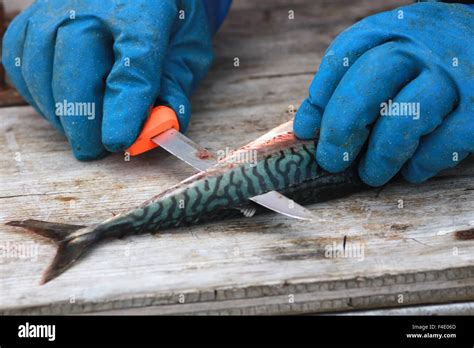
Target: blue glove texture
402,80
94,68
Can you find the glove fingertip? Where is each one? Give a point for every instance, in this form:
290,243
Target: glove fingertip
86,156
415,174
118,139
177,101
307,121
371,174
332,158
85,149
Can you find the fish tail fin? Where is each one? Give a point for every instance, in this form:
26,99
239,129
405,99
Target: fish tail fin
70,248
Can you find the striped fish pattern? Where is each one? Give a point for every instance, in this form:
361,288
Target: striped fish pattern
280,163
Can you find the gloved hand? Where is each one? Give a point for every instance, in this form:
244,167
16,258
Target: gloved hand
420,54
116,56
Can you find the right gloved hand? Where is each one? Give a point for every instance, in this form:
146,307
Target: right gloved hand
106,62
419,59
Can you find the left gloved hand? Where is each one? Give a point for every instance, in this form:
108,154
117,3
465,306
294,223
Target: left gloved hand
419,59
93,68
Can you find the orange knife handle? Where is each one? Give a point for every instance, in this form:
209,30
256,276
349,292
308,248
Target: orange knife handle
161,119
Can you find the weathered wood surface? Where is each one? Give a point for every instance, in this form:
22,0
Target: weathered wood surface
461,308
266,264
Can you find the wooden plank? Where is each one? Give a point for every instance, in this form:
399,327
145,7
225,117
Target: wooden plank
266,264
464,308
15,6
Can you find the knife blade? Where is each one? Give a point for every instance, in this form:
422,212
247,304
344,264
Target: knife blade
185,149
162,129
275,201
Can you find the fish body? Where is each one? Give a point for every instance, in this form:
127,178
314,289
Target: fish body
276,161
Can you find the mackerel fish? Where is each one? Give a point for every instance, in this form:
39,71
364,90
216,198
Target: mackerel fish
281,163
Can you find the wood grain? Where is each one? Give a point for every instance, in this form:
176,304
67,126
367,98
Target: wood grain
267,264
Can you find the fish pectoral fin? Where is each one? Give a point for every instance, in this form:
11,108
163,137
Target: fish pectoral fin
70,248
275,201
248,211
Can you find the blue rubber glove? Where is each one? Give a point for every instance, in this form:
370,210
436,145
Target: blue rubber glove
106,62
416,57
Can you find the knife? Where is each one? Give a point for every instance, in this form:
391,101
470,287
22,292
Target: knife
162,129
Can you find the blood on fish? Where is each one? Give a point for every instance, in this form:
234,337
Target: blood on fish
203,154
